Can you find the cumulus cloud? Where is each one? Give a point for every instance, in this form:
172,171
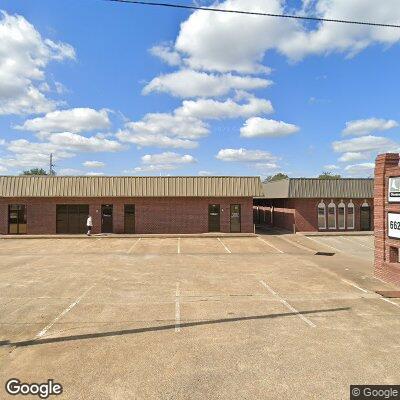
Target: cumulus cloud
353,156
365,143
213,109
74,120
168,158
188,83
94,164
151,169
261,127
92,173
363,169
245,155
163,141
331,167
24,56
166,53
366,126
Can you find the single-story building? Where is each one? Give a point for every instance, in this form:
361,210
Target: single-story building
308,205
61,204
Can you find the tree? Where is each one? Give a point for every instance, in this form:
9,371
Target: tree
329,175
35,171
277,177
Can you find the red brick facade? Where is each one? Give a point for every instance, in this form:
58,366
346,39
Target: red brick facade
301,215
152,215
387,266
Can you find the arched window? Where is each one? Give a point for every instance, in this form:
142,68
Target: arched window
321,215
332,215
341,215
350,215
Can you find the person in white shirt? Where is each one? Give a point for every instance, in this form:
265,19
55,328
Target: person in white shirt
89,224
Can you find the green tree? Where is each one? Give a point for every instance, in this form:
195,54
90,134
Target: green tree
35,171
329,175
276,177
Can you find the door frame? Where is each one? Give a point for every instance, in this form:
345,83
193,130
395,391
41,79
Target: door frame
112,217
219,218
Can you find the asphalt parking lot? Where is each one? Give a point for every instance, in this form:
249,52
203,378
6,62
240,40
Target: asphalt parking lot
196,318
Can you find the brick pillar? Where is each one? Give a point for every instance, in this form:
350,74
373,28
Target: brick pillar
382,163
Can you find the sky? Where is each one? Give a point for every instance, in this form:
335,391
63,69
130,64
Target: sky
122,89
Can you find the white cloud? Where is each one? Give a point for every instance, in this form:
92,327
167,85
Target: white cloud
213,109
94,164
151,169
205,173
157,140
364,169
74,120
365,143
189,83
24,56
331,167
94,173
69,171
74,142
168,158
166,53
2,168
244,155
261,127
353,156
366,126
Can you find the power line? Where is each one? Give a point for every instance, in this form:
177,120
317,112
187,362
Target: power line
182,6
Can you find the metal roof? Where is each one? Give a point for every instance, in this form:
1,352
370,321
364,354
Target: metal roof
298,188
119,186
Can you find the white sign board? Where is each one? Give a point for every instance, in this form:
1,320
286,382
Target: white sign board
394,190
394,225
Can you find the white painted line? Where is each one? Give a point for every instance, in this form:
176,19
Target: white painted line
179,245
290,307
391,302
324,244
300,246
68,309
354,285
270,245
133,246
223,244
177,309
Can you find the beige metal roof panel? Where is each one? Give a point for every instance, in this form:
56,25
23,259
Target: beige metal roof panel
79,186
297,188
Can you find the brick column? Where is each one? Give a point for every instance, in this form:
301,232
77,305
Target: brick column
382,163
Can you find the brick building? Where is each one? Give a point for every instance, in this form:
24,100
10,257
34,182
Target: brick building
387,209
51,204
308,205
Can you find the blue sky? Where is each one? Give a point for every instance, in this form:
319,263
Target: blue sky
120,89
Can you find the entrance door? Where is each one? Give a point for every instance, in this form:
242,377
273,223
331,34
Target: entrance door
129,218
213,218
71,218
107,218
235,218
16,219
365,218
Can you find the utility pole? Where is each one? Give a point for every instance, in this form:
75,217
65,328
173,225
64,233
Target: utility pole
51,165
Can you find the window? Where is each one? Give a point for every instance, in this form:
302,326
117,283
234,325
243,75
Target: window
341,215
332,215
321,215
16,219
350,215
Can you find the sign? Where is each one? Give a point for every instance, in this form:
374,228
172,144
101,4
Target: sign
394,189
394,225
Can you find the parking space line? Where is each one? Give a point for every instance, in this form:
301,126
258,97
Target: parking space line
270,245
179,245
287,305
391,302
177,309
324,244
223,244
354,285
355,242
68,309
300,246
133,246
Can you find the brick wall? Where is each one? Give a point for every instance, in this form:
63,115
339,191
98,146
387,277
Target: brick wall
153,215
386,165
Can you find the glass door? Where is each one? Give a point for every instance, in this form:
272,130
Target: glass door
214,218
129,218
17,219
107,218
235,218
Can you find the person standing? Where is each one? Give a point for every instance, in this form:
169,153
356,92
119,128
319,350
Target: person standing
89,225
